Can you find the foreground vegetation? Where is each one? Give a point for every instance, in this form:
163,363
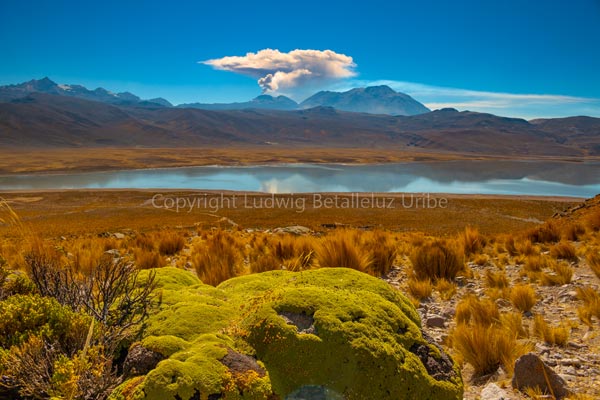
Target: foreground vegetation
73,308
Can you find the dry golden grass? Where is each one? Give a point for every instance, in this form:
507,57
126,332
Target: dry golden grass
294,252
64,213
481,259
592,220
437,259
564,250
512,322
420,289
523,297
554,335
560,274
497,280
477,311
548,232
593,260
113,158
446,289
264,262
216,260
573,232
488,344
591,304
339,250
145,259
170,243
472,241
144,242
510,246
383,252
527,248
536,263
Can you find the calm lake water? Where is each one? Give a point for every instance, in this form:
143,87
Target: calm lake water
480,177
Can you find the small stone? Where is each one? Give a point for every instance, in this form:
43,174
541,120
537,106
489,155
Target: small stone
118,235
140,361
531,372
436,321
494,392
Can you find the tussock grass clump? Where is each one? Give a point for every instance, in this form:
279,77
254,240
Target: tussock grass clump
573,232
593,220
477,311
216,261
591,305
513,322
488,347
527,248
523,297
593,260
340,250
486,339
554,335
383,253
510,246
290,246
420,289
144,242
148,259
170,244
561,275
437,259
497,280
446,289
564,250
548,232
264,262
472,241
536,263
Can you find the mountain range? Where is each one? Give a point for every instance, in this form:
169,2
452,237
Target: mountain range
374,100
40,119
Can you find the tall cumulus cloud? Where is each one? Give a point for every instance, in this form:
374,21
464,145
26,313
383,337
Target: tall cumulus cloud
280,72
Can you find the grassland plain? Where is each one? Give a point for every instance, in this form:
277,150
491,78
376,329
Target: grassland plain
48,160
489,280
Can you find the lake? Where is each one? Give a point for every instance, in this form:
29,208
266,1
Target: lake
580,179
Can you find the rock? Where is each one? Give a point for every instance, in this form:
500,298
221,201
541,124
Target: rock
140,361
294,230
531,372
494,392
118,235
436,321
113,252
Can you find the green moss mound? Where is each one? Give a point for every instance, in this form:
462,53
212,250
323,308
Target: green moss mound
276,334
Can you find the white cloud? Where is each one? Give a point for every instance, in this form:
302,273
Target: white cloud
278,72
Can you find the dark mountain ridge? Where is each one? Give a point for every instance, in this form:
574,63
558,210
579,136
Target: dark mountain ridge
50,120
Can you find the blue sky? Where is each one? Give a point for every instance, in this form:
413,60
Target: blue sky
521,58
